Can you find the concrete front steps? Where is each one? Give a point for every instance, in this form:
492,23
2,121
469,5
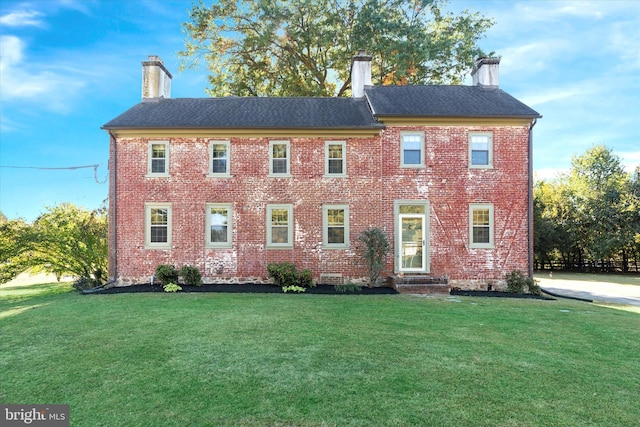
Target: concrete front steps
424,284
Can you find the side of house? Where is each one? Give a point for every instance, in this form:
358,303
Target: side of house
231,184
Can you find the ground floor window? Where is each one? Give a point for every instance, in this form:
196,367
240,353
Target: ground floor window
335,226
219,222
158,225
481,225
280,226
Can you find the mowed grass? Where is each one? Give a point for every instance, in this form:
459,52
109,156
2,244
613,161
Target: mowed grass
314,360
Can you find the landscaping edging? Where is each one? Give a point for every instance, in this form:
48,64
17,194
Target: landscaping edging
240,288
498,294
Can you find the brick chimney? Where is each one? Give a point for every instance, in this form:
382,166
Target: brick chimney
486,72
360,73
156,79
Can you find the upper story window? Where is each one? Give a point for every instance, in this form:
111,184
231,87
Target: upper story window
158,226
481,225
279,158
280,226
335,227
219,219
412,149
481,150
335,162
219,155
158,158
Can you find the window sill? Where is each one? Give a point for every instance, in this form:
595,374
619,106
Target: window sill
279,247
219,175
279,175
157,175
335,247
335,175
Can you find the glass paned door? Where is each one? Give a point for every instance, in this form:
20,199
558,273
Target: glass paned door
412,244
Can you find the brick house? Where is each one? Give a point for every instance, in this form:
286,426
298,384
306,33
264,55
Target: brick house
231,184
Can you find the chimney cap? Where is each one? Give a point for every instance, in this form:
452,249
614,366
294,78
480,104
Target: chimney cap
485,60
361,56
156,60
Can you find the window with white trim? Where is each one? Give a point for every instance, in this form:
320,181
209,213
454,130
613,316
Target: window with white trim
280,226
158,158
219,223
219,158
158,225
335,163
481,225
279,158
481,150
335,226
412,149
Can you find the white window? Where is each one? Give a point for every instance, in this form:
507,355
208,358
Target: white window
158,158
412,149
481,225
280,226
158,225
481,150
335,162
219,223
219,158
335,226
279,158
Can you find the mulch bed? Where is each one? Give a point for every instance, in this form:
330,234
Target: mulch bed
242,288
497,294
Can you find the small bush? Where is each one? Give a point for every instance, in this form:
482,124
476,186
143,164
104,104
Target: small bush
374,252
166,274
191,275
305,279
348,287
518,283
285,274
172,287
298,289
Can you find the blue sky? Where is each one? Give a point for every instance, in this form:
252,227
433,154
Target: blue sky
67,67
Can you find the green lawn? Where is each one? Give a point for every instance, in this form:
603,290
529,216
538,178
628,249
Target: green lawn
318,360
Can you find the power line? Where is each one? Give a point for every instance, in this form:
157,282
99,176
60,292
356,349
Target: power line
95,169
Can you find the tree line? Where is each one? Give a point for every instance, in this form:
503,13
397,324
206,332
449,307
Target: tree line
589,218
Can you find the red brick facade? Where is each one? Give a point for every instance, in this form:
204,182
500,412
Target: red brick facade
375,182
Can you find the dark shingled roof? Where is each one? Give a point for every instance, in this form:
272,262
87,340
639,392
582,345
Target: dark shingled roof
249,112
445,101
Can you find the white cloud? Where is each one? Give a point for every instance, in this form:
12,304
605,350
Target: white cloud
630,160
25,81
22,19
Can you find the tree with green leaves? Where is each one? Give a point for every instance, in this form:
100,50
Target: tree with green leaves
66,240
304,47
591,215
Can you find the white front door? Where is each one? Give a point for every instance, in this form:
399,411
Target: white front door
412,232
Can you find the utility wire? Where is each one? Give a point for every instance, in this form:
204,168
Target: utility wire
95,169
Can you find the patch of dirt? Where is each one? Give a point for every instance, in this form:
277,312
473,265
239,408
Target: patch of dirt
497,294
242,288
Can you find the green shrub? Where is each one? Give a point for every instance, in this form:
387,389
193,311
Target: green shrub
166,274
298,289
518,283
374,252
172,287
348,287
191,275
305,279
285,274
